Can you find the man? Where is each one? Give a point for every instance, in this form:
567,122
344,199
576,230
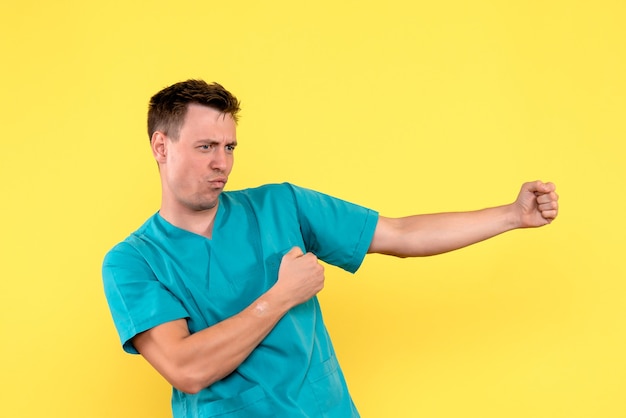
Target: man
218,289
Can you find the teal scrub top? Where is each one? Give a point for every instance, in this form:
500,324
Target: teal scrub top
161,273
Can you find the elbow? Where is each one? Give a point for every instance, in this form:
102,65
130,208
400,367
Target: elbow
191,388
190,379
189,383
186,385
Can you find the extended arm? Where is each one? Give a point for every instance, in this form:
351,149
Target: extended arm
191,362
424,235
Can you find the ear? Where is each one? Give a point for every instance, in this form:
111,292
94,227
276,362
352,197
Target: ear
158,143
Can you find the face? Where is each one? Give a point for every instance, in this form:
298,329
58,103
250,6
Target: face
195,167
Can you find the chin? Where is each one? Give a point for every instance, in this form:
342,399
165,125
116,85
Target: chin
207,205
203,201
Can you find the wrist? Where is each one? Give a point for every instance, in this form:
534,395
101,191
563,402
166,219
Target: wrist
513,218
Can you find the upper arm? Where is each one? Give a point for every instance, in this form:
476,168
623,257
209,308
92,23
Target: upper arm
159,344
387,237
137,299
160,337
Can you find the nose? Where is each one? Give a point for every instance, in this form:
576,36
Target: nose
219,160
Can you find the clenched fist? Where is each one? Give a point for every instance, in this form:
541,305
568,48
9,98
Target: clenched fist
537,204
300,277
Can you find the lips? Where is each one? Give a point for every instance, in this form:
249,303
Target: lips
218,181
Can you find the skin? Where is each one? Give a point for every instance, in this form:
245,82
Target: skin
194,169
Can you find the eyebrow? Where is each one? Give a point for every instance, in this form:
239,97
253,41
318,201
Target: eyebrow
215,141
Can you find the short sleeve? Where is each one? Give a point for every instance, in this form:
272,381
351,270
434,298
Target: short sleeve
137,300
337,231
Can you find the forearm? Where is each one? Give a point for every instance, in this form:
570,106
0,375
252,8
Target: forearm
425,235
217,351
191,362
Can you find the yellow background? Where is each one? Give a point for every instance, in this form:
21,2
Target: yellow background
403,106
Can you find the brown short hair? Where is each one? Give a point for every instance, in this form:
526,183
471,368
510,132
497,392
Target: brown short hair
168,107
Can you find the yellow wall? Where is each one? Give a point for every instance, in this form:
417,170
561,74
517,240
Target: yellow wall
403,106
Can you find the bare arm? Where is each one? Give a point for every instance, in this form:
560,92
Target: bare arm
191,362
424,235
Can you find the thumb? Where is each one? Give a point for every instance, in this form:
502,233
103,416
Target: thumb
295,252
539,187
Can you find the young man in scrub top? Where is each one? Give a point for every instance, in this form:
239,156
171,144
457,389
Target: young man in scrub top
217,290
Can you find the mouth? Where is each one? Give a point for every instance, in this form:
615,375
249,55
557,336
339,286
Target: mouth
218,182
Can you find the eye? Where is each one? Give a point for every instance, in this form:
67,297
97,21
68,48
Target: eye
230,147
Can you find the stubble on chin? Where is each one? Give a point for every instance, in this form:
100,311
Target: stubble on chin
204,203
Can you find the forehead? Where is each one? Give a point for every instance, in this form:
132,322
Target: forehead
197,113
203,120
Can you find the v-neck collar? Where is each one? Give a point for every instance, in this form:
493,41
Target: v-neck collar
178,232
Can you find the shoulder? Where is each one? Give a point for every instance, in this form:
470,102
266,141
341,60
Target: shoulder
130,247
